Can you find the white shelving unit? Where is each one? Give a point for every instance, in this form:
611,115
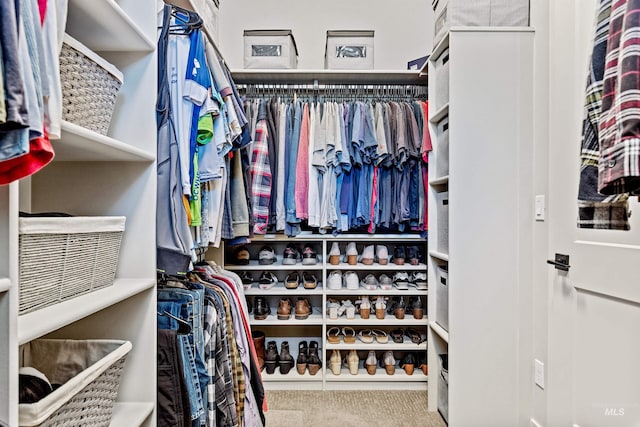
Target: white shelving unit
94,174
316,326
489,126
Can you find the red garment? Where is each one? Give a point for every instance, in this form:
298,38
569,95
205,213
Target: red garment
374,201
426,148
302,168
42,5
40,154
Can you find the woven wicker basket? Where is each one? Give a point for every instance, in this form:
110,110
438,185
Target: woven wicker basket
90,86
61,258
89,371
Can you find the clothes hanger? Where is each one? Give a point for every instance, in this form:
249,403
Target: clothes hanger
184,328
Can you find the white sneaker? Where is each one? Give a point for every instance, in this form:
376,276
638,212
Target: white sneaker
386,284
335,280
334,254
352,253
370,282
351,280
367,255
401,280
419,280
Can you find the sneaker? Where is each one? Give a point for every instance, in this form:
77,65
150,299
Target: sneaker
351,280
310,281
334,254
267,280
241,256
398,255
401,280
246,278
367,255
419,280
290,255
413,254
266,256
370,282
352,253
371,363
335,280
292,280
382,254
389,362
309,256
386,283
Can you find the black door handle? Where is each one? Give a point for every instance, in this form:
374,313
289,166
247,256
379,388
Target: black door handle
561,262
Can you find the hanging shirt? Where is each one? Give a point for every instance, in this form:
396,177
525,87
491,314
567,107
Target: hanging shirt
260,175
302,168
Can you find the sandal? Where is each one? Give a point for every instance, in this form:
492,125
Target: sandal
381,336
398,336
415,336
349,335
333,335
366,336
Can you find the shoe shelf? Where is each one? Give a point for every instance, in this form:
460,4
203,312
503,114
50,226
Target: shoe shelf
272,319
376,267
293,375
276,266
372,321
280,289
362,291
380,376
5,284
406,345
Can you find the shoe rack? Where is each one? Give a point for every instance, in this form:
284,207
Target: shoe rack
298,332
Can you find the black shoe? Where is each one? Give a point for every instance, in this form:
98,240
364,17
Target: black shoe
268,278
261,309
245,277
303,355
313,361
286,359
413,254
398,255
290,255
271,357
241,256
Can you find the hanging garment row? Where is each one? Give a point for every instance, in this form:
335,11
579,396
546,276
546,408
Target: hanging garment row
208,371
350,166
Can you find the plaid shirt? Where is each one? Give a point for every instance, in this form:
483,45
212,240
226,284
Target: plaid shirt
594,209
260,170
619,164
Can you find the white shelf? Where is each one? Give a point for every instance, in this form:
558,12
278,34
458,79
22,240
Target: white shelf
348,237
439,255
389,320
440,47
126,414
394,292
279,289
102,25
276,266
406,345
440,114
293,375
376,267
38,323
330,76
81,144
380,376
443,180
439,330
271,320
5,284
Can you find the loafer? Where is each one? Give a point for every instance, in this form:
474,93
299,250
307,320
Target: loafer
290,255
284,309
367,255
334,254
303,309
309,256
266,256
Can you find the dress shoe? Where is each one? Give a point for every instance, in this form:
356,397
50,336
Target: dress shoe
271,357
313,362
261,309
335,362
286,359
284,309
258,343
371,363
303,309
353,361
303,355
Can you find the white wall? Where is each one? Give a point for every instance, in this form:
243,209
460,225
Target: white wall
403,28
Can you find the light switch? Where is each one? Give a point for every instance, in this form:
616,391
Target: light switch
540,207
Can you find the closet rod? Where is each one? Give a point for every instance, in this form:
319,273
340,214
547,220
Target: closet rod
335,91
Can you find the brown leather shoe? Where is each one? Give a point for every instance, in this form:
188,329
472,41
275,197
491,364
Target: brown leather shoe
284,309
303,309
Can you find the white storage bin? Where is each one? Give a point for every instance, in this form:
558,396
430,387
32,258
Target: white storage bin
442,211
349,50
441,69
443,387
442,146
270,49
442,297
494,13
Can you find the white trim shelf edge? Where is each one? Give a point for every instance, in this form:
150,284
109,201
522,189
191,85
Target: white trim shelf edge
5,284
439,331
41,322
130,414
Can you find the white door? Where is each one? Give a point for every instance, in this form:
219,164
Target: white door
593,366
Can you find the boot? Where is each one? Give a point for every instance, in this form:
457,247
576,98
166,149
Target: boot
303,355
258,342
353,361
261,309
284,309
271,357
335,362
286,359
313,362
303,309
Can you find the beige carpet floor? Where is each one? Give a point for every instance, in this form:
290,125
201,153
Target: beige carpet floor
350,409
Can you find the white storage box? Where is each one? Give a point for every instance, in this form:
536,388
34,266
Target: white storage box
63,257
441,69
442,212
88,372
270,49
442,147
349,50
443,387
494,13
442,297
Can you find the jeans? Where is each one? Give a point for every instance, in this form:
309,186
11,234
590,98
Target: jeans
173,399
292,149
